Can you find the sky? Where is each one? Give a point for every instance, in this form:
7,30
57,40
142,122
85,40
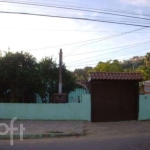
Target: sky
84,41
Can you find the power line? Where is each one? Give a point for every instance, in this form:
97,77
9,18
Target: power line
137,44
79,62
68,44
109,37
65,44
106,55
75,18
92,62
110,21
75,8
69,6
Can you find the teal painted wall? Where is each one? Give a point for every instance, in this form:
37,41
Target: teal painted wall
76,95
73,96
144,107
39,99
67,111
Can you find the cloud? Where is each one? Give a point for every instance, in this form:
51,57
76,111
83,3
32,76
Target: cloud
143,3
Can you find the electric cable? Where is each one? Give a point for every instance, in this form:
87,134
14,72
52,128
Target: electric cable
74,18
73,8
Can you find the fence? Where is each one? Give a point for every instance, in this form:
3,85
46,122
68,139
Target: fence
17,92
67,111
21,92
144,107
75,96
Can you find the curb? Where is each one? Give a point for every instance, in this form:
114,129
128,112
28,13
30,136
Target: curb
38,136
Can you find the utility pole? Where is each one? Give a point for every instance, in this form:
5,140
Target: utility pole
60,72
60,97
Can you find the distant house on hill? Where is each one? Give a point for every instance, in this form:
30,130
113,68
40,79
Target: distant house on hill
136,58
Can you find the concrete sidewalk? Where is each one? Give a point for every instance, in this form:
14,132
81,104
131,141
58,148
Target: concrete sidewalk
118,129
40,129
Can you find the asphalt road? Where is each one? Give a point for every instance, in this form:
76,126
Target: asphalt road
90,142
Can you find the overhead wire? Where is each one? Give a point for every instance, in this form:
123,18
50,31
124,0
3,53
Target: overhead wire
110,21
106,38
74,18
92,40
141,43
97,61
73,8
110,53
102,55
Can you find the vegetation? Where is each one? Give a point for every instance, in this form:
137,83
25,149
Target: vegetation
82,74
21,77
140,65
109,66
145,68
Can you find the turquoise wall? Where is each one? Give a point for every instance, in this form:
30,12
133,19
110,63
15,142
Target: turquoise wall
144,107
73,96
76,95
67,111
39,99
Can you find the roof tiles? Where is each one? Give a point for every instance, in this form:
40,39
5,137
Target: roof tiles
115,76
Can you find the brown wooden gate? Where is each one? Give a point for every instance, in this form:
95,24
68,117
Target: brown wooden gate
114,100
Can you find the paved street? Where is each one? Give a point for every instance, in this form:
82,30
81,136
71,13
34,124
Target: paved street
90,142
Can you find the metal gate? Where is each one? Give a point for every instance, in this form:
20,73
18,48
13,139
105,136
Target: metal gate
114,101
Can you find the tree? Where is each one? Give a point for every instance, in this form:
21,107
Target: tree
145,68
49,74
68,81
82,74
49,71
147,59
19,76
130,66
109,66
145,72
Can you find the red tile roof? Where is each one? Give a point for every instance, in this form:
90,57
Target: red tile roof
115,76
